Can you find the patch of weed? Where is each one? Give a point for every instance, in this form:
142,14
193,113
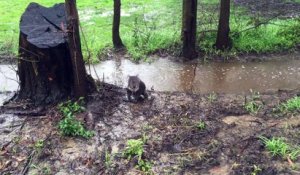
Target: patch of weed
290,105
201,125
256,170
108,159
135,147
212,97
145,166
69,107
252,107
46,170
278,147
39,144
69,125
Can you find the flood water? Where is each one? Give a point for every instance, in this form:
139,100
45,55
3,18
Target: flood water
166,75
8,78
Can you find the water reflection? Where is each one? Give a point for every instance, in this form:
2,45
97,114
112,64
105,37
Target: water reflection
165,75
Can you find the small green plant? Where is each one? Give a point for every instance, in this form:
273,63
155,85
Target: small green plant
201,125
144,166
256,170
69,125
278,147
252,107
108,159
39,144
70,107
212,97
46,170
134,148
290,105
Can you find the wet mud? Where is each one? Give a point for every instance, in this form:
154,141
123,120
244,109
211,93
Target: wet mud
175,144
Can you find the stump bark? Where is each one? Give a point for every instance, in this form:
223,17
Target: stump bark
44,65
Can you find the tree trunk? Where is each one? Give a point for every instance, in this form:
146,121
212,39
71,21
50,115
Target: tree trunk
223,41
116,25
79,72
189,28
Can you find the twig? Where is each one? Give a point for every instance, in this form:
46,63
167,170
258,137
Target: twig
259,24
28,162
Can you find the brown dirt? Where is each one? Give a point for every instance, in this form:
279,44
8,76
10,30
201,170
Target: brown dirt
228,145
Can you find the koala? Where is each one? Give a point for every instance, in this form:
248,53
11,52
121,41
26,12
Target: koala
136,88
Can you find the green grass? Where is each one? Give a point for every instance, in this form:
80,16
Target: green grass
150,25
252,107
97,27
290,105
278,147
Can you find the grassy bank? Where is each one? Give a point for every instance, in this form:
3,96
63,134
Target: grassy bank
150,25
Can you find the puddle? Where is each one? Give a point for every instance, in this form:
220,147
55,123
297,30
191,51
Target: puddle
165,75
8,79
88,14
4,96
8,120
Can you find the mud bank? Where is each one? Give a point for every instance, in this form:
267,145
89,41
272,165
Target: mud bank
228,144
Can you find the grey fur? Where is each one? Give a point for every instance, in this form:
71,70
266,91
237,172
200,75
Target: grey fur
136,88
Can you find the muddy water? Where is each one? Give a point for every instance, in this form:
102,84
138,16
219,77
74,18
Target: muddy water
165,75
8,78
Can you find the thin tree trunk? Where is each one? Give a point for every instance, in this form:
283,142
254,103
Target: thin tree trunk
116,25
189,28
223,41
79,72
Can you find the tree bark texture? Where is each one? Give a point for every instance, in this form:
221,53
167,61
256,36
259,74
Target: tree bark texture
117,42
189,28
79,72
223,41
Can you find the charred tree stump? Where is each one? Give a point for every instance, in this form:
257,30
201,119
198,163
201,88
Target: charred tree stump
45,67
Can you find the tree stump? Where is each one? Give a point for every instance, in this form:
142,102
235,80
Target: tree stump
44,65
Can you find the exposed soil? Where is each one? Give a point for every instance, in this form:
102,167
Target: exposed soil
229,144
